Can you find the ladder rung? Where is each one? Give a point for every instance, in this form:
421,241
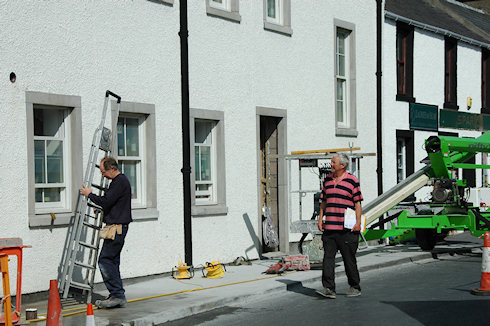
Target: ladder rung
79,285
81,264
99,187
88,245
88,215
91,225
89,204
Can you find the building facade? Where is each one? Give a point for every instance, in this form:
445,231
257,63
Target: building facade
435,82
266,78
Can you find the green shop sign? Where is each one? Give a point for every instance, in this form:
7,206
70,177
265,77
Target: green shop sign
423,116
464,120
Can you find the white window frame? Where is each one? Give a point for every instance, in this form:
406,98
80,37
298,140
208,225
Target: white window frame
140,201
343,79
228,9
278,10
213,182
282,22
65,194
348,127
144,207
218,205
401,159
61,213
224,5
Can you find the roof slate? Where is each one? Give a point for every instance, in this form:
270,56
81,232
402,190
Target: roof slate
444,15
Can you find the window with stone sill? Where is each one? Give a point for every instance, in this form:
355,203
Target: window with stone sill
135,150
208,180
345,79
54,166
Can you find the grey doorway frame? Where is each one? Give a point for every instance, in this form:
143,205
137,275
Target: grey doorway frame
281,178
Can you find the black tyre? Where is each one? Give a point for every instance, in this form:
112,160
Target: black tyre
426,238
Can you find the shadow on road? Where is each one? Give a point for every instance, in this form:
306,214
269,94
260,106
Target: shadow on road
298,287
445,312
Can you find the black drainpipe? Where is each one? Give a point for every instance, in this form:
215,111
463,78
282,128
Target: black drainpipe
379,123
186,153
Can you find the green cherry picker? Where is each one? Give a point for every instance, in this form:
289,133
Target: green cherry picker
448,208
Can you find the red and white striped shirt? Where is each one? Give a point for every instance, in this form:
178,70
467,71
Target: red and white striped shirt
339,196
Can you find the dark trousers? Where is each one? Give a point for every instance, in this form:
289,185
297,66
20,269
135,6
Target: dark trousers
346,242
109,260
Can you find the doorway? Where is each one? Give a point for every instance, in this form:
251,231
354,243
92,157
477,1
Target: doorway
272,205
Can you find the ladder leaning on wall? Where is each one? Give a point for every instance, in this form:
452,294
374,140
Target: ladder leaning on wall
79,260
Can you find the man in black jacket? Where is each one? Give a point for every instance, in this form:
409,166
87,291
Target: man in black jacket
116,204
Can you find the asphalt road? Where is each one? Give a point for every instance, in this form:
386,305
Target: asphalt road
428,292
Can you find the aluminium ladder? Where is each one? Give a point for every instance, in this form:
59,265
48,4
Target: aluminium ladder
81,251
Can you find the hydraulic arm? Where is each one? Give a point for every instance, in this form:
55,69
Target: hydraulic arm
448,208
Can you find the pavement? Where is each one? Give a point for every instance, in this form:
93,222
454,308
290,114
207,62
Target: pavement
159,299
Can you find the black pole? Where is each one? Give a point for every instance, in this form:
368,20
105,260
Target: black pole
379,107
379,73
186,153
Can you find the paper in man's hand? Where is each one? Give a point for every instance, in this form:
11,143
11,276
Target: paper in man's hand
350,220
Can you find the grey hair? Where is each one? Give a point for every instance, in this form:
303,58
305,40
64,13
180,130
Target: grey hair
343,159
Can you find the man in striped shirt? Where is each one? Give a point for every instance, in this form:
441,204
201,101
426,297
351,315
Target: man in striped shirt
340,191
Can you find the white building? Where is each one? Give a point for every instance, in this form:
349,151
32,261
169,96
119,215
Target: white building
292,75
435,81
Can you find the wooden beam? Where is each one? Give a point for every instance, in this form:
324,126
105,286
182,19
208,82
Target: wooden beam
326,151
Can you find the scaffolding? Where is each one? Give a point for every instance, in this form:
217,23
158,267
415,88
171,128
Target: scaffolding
313,159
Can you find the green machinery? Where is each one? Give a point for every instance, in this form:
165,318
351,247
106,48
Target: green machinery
448,208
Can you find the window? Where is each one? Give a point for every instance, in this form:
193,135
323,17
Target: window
342,54
401,159
205,161
54,167
450,76
220,4
485,81
135,150
227,9
130,153
208,166
405,155
50,147
404,62
277,16
345,87
274,14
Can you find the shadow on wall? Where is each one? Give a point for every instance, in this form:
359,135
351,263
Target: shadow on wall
255,239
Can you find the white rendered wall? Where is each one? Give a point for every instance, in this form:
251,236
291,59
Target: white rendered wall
428,88
132,48
84,48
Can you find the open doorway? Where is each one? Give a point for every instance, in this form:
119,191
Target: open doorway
271,127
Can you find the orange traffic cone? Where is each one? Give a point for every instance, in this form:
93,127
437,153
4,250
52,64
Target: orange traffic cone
484,288
90,320
54,317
